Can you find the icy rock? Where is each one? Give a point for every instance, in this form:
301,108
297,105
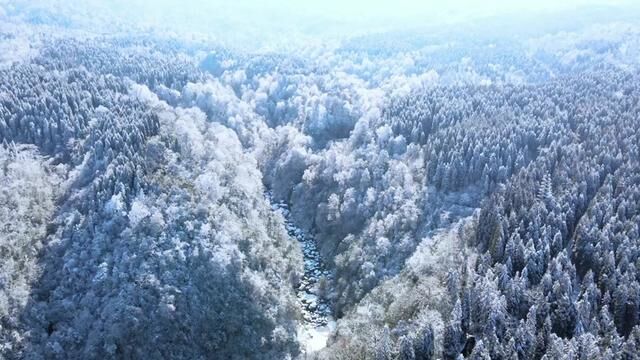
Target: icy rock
317,323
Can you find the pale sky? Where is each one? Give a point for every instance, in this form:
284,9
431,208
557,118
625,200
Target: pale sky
287,20
358,10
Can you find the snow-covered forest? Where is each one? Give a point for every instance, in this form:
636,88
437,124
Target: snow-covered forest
466,191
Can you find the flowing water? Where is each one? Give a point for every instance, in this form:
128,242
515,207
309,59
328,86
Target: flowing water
317,321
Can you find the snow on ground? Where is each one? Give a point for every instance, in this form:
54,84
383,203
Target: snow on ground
317,322
314,338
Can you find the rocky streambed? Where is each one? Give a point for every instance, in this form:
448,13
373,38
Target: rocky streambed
313,288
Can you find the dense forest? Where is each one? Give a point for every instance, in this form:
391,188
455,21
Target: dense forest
398,195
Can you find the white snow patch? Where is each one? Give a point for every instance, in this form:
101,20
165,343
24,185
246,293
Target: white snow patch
314,338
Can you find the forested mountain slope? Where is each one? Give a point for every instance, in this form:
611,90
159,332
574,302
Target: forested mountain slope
467,196
160,237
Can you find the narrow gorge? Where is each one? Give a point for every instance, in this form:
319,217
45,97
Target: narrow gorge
313,289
